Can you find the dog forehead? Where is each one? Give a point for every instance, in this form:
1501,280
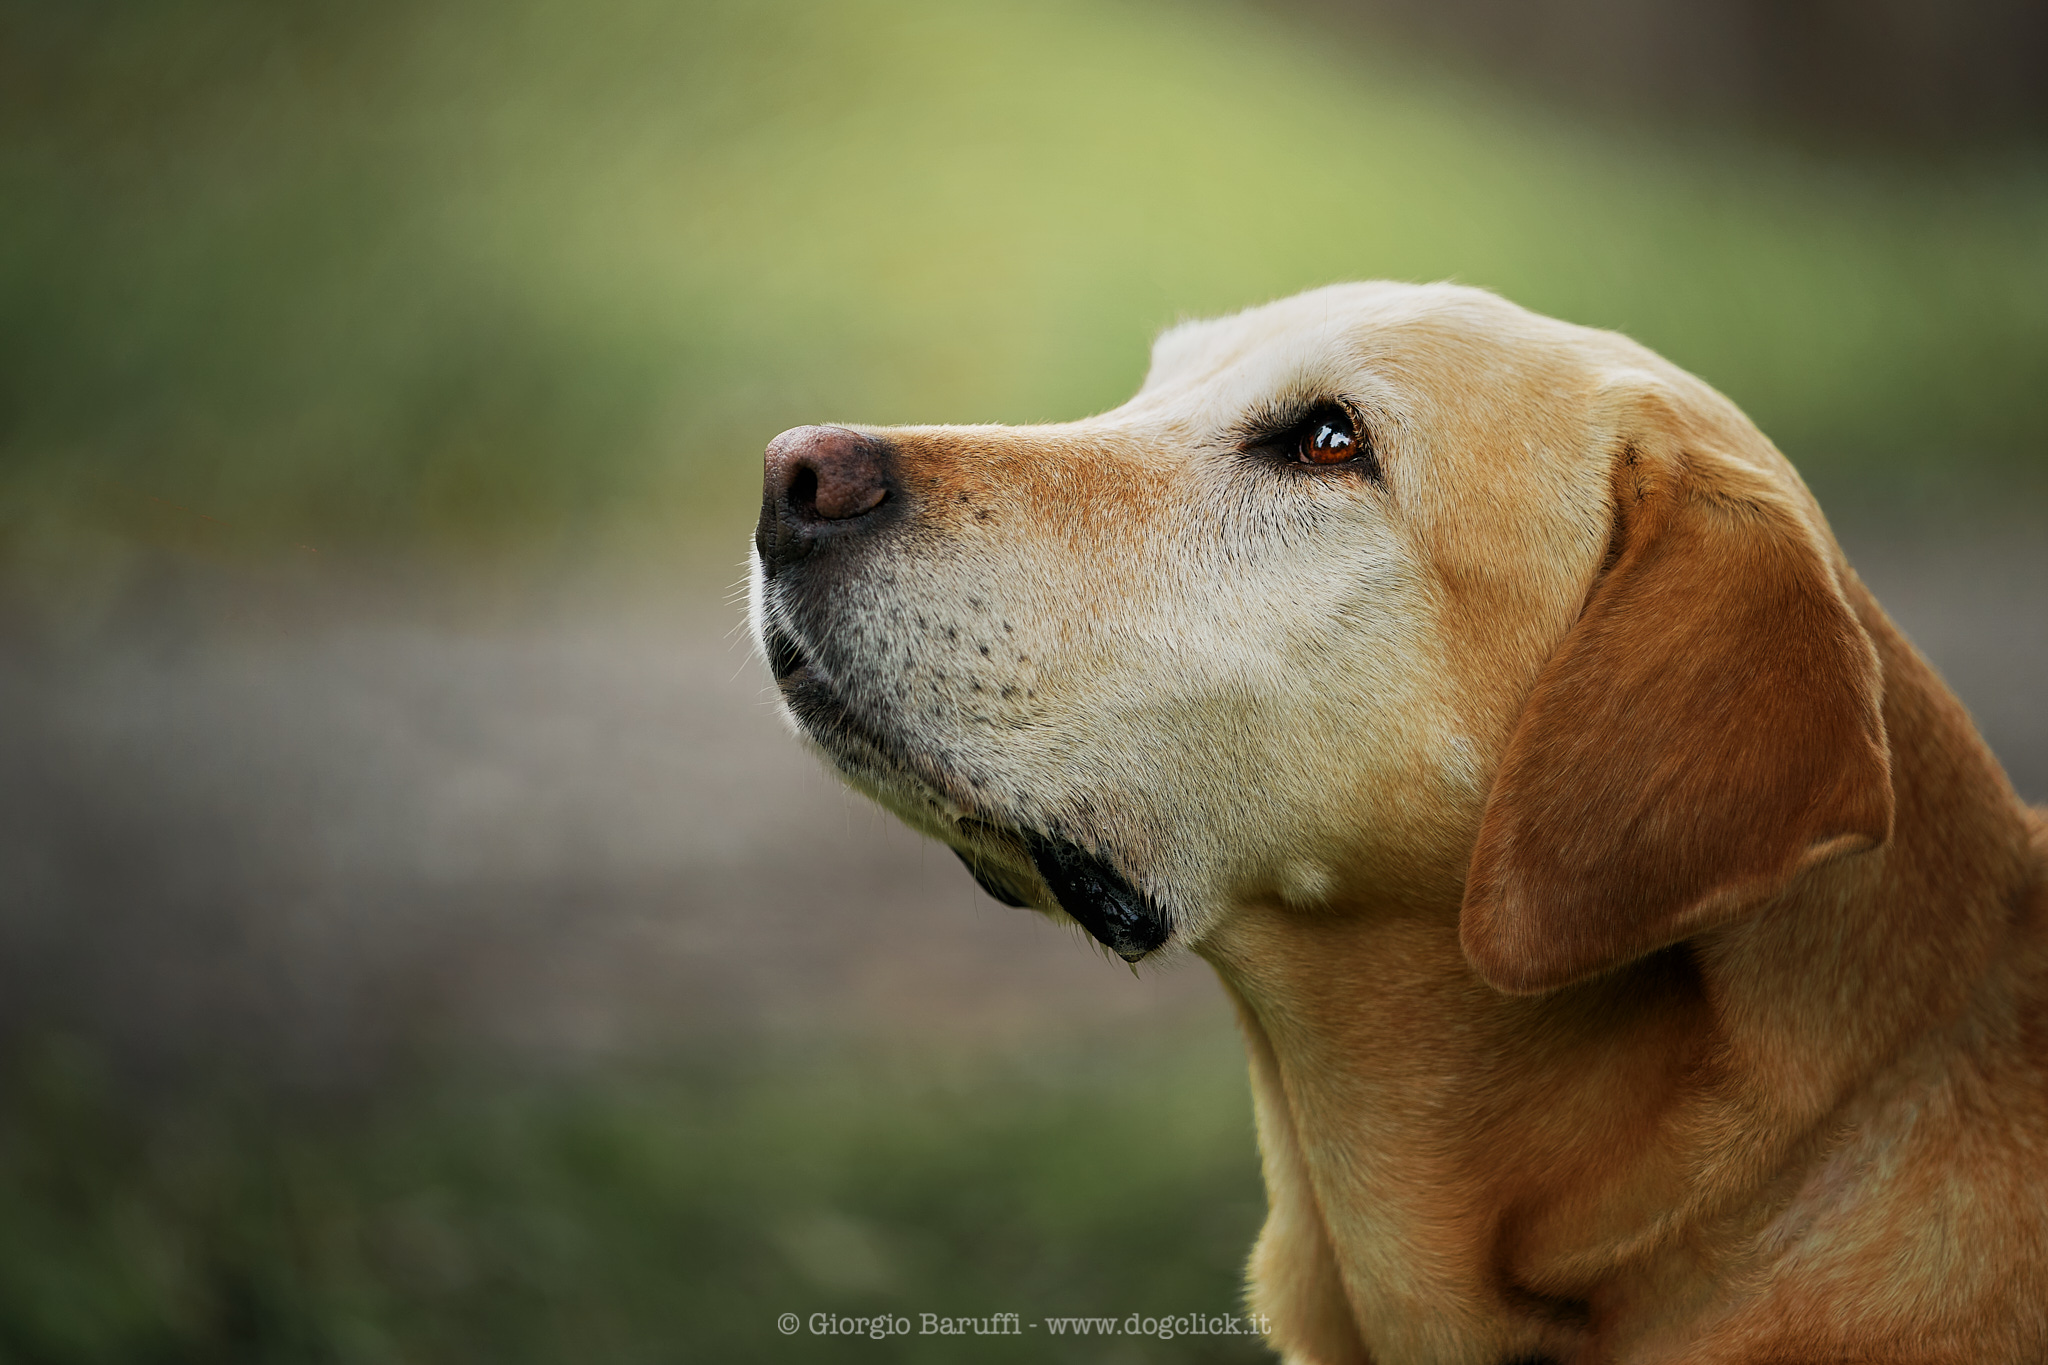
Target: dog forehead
1305,332
1213,369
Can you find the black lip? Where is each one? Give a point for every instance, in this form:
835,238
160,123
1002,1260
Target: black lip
828,719
1121,917
785,657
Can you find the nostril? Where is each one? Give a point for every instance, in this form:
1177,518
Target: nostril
803,492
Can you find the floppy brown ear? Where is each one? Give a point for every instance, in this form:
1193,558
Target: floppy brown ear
1709,728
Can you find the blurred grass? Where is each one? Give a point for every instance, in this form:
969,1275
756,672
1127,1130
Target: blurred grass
658,1216
532,274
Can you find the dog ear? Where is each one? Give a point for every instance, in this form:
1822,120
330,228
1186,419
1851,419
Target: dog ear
1709,729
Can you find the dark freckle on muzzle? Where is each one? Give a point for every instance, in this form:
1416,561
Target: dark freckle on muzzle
1123,918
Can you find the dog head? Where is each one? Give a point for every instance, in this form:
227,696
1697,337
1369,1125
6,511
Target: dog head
1382,594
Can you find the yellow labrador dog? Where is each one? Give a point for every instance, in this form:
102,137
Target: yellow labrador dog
1640,956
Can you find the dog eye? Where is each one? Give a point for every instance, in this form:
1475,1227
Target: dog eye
1330,436
1327,437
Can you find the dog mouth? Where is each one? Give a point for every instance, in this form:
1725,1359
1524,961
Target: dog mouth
824,715
785,656
1086,884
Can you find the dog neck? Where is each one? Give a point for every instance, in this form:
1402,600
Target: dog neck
1460,1175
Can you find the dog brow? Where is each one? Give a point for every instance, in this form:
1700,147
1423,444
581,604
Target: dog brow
1279,413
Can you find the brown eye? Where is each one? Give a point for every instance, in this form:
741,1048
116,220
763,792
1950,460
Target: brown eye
1323,435
1328,437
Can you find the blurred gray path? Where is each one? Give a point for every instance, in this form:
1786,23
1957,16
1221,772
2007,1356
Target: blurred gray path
309,829
312,826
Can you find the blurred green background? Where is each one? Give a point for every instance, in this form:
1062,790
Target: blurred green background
637,1214
532,282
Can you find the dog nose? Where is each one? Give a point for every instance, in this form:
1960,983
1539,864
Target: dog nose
816,480
826,473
